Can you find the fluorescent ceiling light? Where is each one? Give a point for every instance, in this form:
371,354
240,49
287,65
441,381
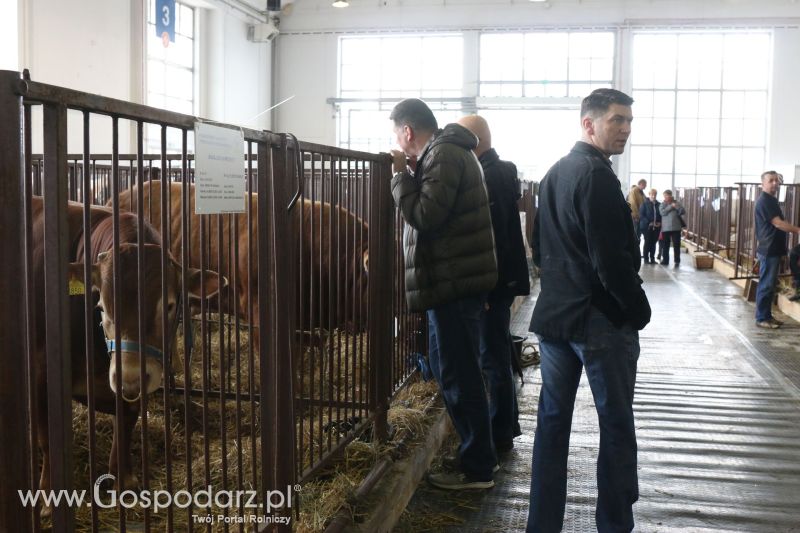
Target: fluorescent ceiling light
340,3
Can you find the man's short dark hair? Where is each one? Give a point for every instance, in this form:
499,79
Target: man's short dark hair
415,113
600,100
769,173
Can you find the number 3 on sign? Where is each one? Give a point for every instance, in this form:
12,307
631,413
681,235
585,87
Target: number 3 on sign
165,21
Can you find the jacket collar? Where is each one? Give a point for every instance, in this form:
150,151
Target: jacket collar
489,157
586,148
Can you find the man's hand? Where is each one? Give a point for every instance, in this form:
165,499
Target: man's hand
398,161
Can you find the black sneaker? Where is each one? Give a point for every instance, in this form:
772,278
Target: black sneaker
452,464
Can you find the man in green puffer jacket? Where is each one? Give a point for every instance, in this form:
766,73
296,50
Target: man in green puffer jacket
450,267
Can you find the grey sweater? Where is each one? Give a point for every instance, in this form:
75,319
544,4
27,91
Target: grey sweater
670,216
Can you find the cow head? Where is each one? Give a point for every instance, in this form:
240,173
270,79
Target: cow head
123,316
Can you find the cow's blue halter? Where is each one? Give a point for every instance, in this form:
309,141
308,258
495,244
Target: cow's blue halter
152,351
130,346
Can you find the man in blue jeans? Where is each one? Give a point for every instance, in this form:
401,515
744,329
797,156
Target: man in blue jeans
588,313
450,267
771,231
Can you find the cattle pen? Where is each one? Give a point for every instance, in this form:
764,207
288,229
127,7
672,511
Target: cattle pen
295,354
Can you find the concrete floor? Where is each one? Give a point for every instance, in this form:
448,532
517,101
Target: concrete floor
717,416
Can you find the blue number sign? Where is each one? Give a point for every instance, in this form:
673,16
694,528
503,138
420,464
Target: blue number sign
165,20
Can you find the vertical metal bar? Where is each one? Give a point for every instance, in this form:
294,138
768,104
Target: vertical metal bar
362,207
187,317
59,367
300,372
381,239
739,230
325,272
117,277
33,393
334,279
266,348
251,385
88,302
349,278
315,303
233,267
167,341
16,451
222,366
140,307
285,327
205,337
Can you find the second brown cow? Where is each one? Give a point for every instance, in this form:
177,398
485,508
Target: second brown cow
333,245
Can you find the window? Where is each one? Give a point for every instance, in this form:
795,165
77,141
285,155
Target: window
545,64
521,85
518,85
701,102
170,73
374,76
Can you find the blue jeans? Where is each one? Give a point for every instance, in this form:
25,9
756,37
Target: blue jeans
454,354
495,359
765,292
610,357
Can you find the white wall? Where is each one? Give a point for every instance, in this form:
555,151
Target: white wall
96,46
783,151
308,46
9,35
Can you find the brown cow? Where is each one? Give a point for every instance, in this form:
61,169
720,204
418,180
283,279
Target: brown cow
125,319
349,265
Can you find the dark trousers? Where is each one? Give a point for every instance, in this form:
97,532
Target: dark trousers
454,359
675,237
610,358
496,353
650,240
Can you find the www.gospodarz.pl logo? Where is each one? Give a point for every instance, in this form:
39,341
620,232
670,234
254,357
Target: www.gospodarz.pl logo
157,500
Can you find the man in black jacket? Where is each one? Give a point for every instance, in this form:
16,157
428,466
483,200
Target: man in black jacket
588,314
450,267
502,184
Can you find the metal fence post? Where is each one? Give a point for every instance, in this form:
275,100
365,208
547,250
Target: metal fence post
382,269
59,368
285,294
15,451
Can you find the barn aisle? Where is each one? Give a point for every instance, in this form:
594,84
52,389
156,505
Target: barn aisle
717,416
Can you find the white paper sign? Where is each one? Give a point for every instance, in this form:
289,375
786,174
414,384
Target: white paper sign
219,170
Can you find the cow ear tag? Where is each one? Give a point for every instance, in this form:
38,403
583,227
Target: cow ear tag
76,287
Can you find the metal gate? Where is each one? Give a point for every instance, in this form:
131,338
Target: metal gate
280,334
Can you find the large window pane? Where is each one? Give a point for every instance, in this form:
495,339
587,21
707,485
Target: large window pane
642,131
369,73
662,160
641,157
686,131
554,135
719,82
685,160
563,63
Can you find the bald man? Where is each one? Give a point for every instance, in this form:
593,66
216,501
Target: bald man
502,185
